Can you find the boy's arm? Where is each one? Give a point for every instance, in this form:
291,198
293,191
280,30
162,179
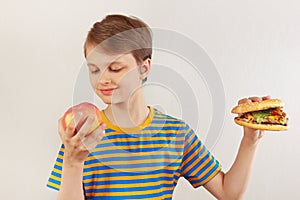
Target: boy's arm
71,182
77,148
233,184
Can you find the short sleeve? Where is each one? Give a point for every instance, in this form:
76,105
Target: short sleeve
55,176
198,165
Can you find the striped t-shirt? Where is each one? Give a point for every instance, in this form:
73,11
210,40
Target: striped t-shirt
144,162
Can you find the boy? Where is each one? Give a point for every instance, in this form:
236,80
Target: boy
143,152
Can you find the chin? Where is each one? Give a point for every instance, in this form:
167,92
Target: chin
109,100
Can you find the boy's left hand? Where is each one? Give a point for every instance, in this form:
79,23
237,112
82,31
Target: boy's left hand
253,135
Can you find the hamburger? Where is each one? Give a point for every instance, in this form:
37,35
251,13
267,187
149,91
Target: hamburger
263,115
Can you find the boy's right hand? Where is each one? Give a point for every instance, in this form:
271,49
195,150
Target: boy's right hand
79,145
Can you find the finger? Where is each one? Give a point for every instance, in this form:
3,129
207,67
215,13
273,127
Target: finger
103,125
266,97
255,99
97,134
91,140
71,128
100,136
100,131
60,128
245,100
84,130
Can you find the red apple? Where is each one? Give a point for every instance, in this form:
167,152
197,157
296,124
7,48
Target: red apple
86,109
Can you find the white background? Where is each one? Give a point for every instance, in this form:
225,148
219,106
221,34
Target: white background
255,46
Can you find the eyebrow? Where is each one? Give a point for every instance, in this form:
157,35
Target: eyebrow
91,64
112,63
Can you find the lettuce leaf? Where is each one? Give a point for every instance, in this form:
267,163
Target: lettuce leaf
260,115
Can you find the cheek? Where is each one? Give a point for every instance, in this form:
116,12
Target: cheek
130,78
93,80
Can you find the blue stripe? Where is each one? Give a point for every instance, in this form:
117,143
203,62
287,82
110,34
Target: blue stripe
208,174
109,130
116,151
56,174
57,167
119,136
168,136
153,195
54,181
130,181
59,160
133,157
61,153
203,168
50,186
189,134
196,157
135,143
164,121
167,128
146,188
165,135
139,165
192,170
120,174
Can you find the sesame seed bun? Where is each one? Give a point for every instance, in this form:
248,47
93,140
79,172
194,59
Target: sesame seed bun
254,106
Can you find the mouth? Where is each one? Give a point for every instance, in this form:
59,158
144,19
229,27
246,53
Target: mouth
107,91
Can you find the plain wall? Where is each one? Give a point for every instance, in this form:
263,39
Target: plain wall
255,46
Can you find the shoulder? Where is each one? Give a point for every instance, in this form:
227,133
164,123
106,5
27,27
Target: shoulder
168,119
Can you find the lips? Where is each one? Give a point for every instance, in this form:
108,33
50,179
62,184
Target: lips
107,91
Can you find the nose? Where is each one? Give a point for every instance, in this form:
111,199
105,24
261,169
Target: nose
105,77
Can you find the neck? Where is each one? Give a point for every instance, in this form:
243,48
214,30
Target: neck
128,114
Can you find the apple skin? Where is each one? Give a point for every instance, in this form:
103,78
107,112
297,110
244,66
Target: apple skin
86,109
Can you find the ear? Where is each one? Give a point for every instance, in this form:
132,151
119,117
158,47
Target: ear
145,68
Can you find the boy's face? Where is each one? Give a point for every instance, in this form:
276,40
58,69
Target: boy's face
114,78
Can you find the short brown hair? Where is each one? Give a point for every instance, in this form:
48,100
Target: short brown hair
122,34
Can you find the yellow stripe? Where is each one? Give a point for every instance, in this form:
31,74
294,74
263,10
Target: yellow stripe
129,177
134,169
204,172
138,147
194,153
163,197
55,178
165,125
135,185
124,155
149,132
130,169
130,193
123,169
53,185
128,162
196,162
159,117
142,139
210,177
57,171
190,138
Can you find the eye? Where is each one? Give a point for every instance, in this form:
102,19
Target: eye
115,70
94,71
93,68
